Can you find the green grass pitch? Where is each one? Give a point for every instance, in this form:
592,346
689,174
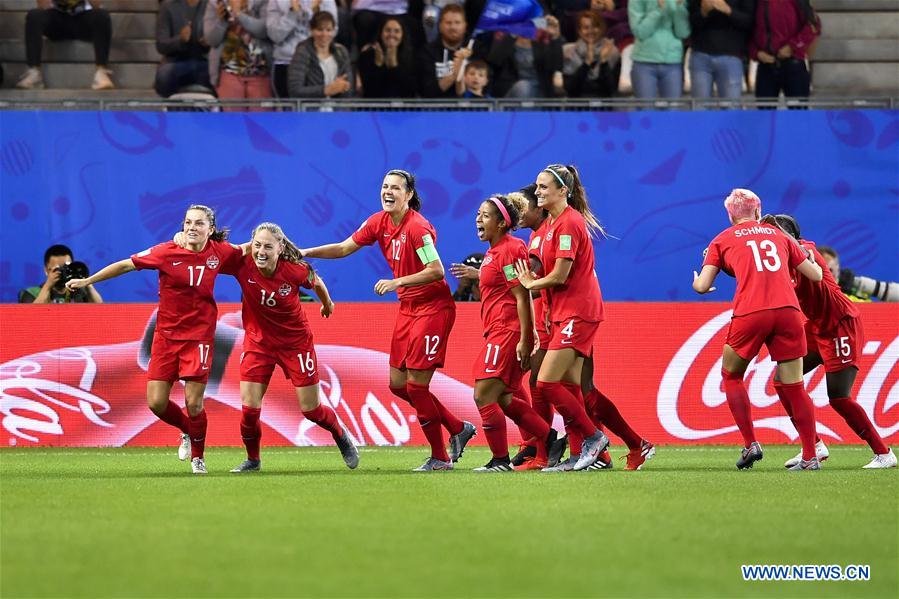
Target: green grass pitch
136,523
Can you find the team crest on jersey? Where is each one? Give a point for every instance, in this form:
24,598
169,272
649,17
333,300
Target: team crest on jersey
403,238
284,290
213,262
549,236
536,243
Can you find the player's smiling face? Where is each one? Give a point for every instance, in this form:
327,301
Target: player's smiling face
266,250
548,192
394,196
197,229
488,222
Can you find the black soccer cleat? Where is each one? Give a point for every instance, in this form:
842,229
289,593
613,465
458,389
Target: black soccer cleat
496,465
525,452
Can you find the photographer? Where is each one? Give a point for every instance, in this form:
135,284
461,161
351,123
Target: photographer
59,268
859,289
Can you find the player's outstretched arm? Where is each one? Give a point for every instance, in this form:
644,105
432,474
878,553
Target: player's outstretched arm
321,290
332,250
107,272
810,270
702,281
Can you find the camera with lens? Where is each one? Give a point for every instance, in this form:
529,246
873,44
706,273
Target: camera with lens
865,287
72,270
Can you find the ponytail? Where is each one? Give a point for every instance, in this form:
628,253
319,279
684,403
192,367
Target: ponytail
567,176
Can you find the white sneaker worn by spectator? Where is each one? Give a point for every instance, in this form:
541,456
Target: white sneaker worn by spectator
102,80
31,79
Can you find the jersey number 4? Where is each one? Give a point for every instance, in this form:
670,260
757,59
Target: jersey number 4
771,261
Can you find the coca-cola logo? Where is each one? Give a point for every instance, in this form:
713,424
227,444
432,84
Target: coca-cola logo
691,404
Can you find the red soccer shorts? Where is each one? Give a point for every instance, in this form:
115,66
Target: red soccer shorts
574,333
171,360
419,341
299,364
780,329
838,349
497,359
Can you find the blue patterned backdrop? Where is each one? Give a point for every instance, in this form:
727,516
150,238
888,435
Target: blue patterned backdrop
110,184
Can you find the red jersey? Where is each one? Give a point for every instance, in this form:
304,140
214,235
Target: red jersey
822,303
761,258
499,309
408,247
579,297
540,300
272,314
187,309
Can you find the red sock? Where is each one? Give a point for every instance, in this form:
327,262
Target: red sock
738,402
175,416
568,406
575,440
449,421
541,406
608,414
785,402
526,438
325,417
858,421
526,418
803,416
197,425
428,418
494,426
251,431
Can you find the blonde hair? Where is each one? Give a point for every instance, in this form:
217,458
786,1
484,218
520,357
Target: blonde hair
291,252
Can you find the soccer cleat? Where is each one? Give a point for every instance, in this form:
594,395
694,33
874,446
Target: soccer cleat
496,465
184,447
31,79
812,464
458,442
882,460
102,80
198,466
532,464
556,451
525,452
566,466
347,450
636,457
433,465
248,466
820,451
593,445
604,462
749,456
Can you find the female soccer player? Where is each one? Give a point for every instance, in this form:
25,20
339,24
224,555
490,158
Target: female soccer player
276,332
185,324
574,299
765,311
427,311
834,336
508,333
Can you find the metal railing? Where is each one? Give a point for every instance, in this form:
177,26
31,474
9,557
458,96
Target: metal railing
211,104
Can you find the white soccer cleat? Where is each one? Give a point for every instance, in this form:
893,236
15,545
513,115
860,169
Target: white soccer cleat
198,466
31,79
184,448
820,451
882,460
102,80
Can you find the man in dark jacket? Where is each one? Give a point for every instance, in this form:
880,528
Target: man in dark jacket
179,38
440,62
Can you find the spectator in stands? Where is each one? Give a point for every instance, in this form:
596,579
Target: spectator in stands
468,272
369,15
386,66
476,79
321,67
660,28
440,61
525,68
59,268
64,20
592,64
719,33
241,57
287,24
614,13
180,41
784,33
